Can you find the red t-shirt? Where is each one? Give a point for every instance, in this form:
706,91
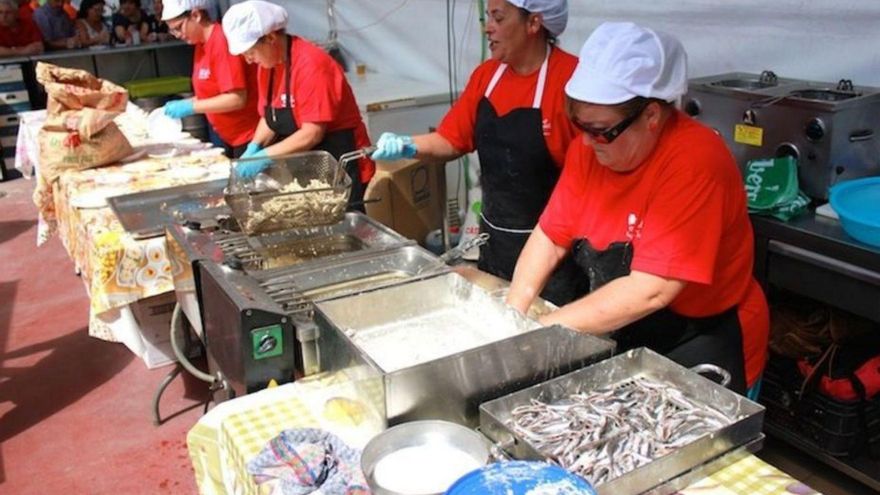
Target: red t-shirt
23,33
511,92
321,95
684,210
216,71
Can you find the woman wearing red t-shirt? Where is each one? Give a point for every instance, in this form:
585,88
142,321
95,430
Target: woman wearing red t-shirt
19,36
305,101
512,113
224,85
652,205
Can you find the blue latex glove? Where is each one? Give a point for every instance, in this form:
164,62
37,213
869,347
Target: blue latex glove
253,165
251,150
179,109
394,147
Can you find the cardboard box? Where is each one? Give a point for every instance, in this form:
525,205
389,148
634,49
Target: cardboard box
144,326
411,197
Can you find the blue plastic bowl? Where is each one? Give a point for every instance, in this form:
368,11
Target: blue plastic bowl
519,478
857,202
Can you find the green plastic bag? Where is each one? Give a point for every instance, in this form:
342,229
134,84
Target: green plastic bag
787,211
771,183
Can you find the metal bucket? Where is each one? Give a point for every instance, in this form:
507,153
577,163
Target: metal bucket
430,433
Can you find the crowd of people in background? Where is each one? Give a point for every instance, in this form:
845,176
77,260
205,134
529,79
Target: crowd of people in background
28,27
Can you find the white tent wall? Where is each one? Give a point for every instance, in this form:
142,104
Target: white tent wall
812,39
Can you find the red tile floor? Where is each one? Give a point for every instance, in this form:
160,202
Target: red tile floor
75,413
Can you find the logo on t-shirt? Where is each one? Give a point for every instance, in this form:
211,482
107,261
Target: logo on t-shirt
634,227
204,73
546,127
282,99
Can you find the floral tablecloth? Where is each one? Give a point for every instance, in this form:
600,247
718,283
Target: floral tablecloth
116,268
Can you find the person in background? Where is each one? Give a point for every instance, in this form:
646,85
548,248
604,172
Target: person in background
158,28
90,23
58,30
26,9
225,85
512,113
70,10
130,26
652,204
18,36
305,101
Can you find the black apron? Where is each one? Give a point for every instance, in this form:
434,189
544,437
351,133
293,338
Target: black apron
517,176
715,339
283,123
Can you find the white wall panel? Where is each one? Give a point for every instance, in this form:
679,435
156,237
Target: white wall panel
816,39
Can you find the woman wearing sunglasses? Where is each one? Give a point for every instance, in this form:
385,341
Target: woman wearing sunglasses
225,86
652,205
512,113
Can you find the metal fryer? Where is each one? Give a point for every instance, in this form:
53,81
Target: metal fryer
443,385
744,429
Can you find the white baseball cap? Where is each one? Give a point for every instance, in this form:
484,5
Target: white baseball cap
554,13
175,8
621,60
245,23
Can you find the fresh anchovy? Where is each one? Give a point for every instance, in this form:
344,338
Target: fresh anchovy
607,432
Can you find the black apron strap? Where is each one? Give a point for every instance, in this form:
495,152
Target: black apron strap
281,120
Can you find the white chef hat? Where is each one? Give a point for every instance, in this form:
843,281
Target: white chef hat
553,12
245,23
174,8
621,60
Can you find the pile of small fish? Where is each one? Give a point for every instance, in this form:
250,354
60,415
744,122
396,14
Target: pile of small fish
607,432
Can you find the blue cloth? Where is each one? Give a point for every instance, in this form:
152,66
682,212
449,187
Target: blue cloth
249,167
179,109
394,147
54,23
301,461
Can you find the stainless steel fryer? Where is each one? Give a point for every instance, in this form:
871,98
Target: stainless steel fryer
746,417
356,234
450,386
353,275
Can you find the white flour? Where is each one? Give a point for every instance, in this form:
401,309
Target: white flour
430,336
423,469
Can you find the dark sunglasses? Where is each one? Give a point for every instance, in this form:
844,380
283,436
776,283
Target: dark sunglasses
608,135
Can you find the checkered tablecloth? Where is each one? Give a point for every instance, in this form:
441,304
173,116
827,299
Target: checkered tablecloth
750,476
235,431
243,435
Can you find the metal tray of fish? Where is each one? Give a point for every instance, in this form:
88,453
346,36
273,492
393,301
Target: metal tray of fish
628,424
355,275
145,214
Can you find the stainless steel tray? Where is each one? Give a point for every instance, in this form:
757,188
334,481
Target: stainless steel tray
746,417
451,386
355,275
145,214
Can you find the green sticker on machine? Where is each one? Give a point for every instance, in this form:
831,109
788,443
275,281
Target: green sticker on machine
267,341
